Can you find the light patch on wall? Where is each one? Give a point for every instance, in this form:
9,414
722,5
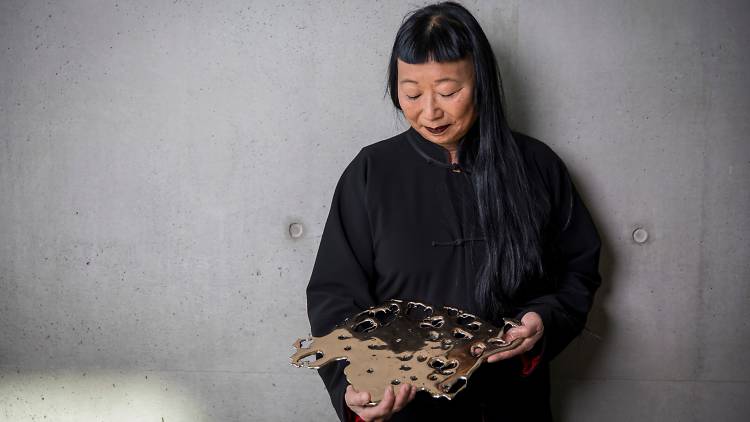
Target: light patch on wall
84,396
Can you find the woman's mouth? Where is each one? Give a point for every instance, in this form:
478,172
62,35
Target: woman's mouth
437,130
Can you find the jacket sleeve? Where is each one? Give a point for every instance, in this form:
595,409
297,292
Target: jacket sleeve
564,311
342,276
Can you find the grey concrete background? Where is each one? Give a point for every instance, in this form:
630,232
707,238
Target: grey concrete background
154,153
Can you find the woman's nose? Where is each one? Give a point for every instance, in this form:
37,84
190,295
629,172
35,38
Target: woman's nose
431,110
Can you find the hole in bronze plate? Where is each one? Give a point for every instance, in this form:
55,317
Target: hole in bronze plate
370,370
364,326
451,311
465,319
432,322
421,358
459,333
413,378
436,363
404,358
432,377
405,368
347,348
385,315
344,337
418,311
474,326
396,382
445,368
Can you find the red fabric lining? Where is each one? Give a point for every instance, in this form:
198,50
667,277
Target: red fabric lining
529,364
351,416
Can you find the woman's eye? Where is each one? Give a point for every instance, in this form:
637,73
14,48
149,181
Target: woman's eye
412,98
449,95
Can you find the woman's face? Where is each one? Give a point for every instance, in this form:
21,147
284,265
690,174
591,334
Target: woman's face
437,99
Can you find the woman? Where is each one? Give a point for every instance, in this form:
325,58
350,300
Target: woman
458,210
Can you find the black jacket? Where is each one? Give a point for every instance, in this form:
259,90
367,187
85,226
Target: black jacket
403,224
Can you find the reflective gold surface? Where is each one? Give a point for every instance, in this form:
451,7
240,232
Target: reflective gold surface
434,349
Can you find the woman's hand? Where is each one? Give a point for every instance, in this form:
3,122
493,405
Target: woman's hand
391,403
531,331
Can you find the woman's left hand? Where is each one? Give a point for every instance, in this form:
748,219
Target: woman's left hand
530,330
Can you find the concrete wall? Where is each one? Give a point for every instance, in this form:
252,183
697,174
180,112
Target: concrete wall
154,153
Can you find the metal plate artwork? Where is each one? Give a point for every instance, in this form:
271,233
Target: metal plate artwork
436,350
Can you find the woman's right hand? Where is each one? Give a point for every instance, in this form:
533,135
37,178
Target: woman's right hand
391,403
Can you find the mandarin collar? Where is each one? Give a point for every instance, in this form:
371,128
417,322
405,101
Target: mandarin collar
436,154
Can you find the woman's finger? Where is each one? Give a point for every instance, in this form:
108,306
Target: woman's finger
521,331
391,402
352,397
526,345
383,409
531,325
534,322
402,397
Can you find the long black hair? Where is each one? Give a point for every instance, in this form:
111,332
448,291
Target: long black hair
512,207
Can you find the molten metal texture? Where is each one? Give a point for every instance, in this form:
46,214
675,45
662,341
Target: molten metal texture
435,350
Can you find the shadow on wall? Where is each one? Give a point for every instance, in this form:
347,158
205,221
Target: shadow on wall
584,354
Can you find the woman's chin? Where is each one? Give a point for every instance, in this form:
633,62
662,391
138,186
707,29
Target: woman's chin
442,139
